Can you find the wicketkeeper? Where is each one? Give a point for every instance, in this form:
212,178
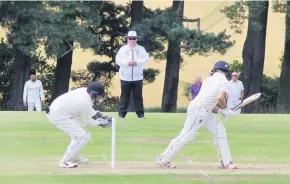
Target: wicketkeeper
71,112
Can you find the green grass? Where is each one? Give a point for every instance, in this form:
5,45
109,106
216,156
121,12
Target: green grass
31,148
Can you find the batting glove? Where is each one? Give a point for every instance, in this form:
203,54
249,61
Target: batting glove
227,113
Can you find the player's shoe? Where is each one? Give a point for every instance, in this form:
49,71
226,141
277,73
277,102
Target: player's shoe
80,160
167,165
68,164
221,164
232,165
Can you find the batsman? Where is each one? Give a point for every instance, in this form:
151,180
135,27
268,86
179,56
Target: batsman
71,112
200,114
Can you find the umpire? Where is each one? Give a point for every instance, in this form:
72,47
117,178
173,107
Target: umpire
131,58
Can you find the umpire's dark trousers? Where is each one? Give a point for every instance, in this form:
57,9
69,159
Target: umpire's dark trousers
136,87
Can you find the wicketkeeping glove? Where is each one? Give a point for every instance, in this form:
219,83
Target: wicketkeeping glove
105,123
97,115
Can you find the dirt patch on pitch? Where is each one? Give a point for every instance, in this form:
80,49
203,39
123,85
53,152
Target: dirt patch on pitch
49,166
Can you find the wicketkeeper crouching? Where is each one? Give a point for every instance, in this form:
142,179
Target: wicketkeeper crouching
71,112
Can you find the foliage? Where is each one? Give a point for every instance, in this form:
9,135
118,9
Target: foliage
236,13
279,6
66,21
269,89
20,19
186,90
150,75
165,24
240,11
6,60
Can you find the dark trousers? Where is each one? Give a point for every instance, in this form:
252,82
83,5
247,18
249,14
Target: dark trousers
136,87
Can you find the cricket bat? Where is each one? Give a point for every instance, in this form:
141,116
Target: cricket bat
248,100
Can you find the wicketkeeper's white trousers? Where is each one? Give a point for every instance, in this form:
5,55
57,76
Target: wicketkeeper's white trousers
198,117
71,126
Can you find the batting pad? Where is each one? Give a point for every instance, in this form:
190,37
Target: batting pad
76,145
222,145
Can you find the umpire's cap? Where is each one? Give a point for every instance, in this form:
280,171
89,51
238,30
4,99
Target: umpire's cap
96,89
222,65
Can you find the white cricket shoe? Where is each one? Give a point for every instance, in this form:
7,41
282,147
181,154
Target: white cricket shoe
221,164
167,165
80,160
68,164
232,165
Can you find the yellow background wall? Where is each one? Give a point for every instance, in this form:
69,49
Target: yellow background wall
213,21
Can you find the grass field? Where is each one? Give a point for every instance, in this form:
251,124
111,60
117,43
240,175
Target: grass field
31,148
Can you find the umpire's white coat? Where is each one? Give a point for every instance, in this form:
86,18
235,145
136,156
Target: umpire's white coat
199,113
127,54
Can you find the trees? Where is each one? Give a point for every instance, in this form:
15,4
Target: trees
254,46
58,26
254,51
67,24
173,59
166,26
19,19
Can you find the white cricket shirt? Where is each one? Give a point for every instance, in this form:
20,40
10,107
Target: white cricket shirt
234,90
76,103
127,54
207,96
33,91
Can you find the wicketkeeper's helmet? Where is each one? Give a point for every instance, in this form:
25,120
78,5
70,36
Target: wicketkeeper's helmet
96,89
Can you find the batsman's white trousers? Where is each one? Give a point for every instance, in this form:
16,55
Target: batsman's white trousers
197,117
36,104
71,126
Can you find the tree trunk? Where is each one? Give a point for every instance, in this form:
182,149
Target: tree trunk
254,52
136,12
136,18
170,89
20,76
63,71
283,101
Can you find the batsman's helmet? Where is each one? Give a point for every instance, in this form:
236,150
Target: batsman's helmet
96,89
222,65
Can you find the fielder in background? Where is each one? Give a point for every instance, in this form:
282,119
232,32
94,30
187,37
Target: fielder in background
33,93
71,112
235,92
200,114
131,58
